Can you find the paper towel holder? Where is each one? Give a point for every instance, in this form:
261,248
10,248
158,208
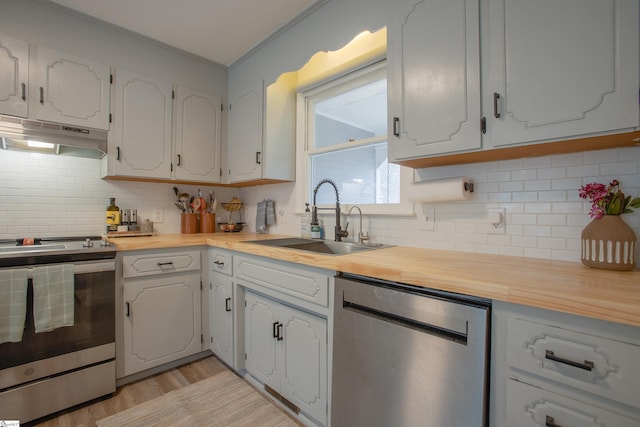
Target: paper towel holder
468,186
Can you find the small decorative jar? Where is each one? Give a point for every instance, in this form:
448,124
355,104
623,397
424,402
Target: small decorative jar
609,243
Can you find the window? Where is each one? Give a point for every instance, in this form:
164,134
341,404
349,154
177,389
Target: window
345,140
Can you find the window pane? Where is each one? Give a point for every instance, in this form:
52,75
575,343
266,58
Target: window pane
363,176
359,113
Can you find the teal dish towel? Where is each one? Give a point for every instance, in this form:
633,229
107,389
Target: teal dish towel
271,212
53,297
261,217
13,303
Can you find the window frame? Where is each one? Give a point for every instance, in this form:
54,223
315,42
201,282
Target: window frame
305,133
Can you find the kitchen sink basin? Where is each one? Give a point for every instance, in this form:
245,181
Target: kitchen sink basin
327,247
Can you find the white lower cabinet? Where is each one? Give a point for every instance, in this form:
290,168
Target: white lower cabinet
286,349
558,370
529,406
161,308
221,306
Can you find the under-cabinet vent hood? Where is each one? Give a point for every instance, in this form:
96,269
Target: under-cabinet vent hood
52,138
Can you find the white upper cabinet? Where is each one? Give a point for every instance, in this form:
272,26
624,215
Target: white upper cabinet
197,135
560,68
70,90
434,78
14,76
246,134
140,136
63,88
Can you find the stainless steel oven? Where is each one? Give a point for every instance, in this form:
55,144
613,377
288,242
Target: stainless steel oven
49,371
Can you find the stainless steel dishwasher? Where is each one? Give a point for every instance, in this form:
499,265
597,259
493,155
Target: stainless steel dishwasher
408,356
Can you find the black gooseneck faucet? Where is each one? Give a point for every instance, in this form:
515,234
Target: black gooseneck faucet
339,232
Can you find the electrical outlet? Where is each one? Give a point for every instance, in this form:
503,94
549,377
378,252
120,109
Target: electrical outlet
429,219
158,215
497,221
282,216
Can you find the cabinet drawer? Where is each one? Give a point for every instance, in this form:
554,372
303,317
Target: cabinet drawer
150,264
301,283
221,262
529,406
601,366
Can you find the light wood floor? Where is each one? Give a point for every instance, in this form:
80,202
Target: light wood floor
135,393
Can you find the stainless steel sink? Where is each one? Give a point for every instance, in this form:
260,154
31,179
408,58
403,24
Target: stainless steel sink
327,247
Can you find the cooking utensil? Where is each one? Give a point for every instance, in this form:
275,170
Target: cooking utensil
196,204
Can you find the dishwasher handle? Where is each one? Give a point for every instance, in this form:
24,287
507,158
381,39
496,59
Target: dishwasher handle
438,331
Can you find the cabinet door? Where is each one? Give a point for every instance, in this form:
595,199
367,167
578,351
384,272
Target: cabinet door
140,137
197,135
162,320
434,78
221,316
246,134
560,68
260,339
304,362
14,76
529,406
71,90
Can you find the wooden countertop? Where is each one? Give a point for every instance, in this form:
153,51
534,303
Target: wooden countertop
555,285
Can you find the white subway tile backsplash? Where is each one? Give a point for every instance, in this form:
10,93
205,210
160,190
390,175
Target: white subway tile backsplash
583,170
619,168
41,195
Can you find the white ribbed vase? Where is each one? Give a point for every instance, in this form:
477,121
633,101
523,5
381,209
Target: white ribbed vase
609,243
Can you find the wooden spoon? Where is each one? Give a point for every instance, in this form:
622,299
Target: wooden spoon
196,204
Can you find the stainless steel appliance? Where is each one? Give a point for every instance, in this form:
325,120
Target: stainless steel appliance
50,371
408,356
17,134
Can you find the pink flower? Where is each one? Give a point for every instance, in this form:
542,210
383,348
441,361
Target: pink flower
607,200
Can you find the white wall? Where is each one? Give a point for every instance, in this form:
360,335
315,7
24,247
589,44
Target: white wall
43,195
544,215
49,196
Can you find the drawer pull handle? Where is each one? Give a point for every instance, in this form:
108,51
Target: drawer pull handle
275,329
128,313
550,422
227,304
220,263
396,127
163,264
279,331
586,365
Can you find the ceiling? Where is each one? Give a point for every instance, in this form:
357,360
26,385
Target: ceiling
221,31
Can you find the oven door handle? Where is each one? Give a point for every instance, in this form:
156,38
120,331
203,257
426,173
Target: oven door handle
94,266
87,267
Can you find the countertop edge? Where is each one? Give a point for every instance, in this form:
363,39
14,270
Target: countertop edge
606,295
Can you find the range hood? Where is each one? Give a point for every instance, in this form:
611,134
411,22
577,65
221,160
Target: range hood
52,138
